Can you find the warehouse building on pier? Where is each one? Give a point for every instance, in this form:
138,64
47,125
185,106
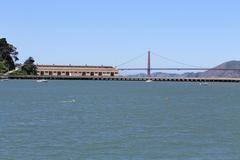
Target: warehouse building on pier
77,71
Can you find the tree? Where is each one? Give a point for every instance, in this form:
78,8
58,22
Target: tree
8,56
3,67
29,67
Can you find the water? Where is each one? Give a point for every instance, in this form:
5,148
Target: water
73,120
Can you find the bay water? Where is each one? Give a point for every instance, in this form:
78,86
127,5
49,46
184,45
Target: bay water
108,120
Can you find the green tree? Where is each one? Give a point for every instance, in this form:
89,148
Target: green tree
8,56
29,67
3,67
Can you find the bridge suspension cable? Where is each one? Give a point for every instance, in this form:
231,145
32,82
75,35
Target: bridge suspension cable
175,61
131,60
158,55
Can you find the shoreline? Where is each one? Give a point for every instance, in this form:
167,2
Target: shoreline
176,79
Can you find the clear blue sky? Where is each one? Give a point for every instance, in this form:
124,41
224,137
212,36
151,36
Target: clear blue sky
109,32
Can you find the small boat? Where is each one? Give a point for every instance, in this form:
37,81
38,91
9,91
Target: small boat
203,84
42,81
148,81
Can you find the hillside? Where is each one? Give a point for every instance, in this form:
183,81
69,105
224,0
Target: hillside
223,73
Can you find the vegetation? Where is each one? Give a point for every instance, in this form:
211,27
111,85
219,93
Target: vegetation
8,58
3,66
29,67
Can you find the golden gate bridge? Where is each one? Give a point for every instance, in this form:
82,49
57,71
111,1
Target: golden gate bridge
149,68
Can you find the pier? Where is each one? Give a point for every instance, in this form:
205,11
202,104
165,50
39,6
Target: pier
109,73
120,78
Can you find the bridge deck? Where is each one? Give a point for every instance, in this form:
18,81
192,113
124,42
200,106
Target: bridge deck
178,79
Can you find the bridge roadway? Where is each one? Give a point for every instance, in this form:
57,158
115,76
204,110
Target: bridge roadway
121,78
179,69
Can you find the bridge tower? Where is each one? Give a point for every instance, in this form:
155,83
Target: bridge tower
149,64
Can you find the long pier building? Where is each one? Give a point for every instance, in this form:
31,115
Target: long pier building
76,71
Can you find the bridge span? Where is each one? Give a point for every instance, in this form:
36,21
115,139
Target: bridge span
189,67
179,69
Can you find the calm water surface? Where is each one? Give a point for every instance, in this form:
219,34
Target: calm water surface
107,120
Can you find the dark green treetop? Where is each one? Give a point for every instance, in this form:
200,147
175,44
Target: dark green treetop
8,56
29,67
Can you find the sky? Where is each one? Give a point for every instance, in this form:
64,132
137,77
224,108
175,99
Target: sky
109,32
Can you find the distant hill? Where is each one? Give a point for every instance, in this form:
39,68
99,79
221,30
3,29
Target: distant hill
209,73
223,73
